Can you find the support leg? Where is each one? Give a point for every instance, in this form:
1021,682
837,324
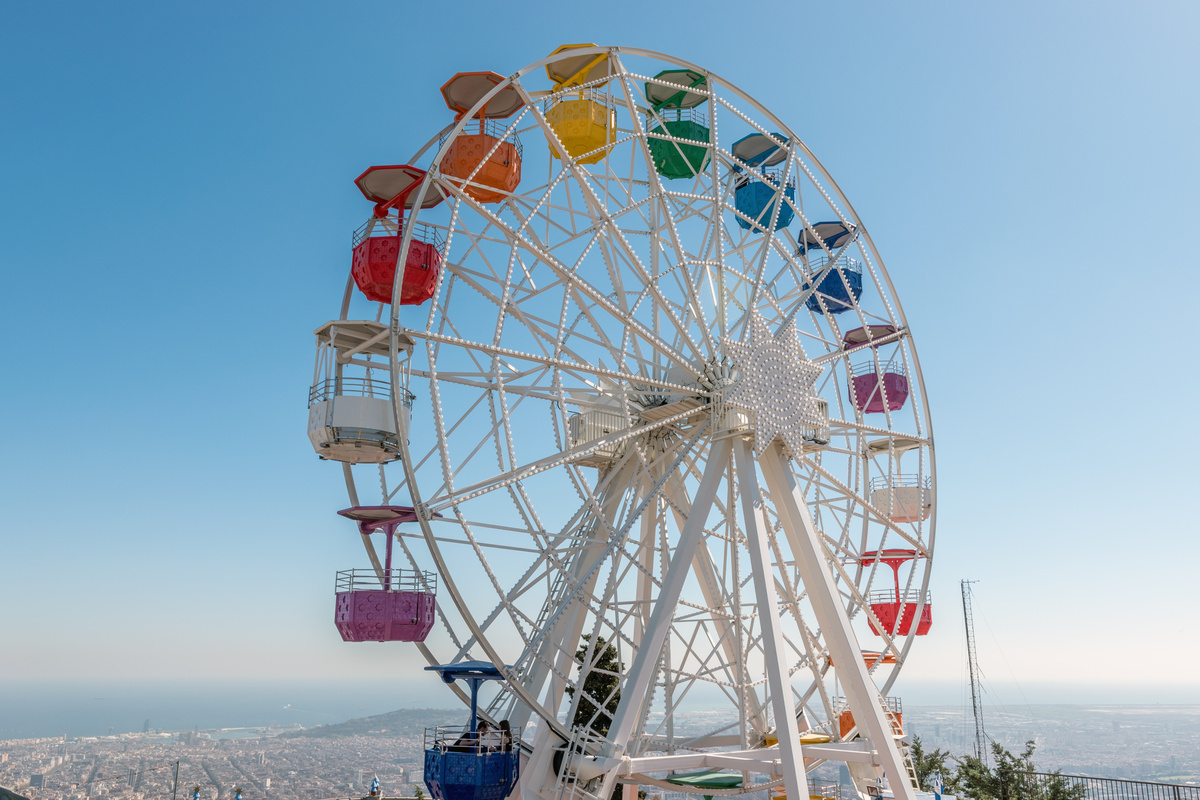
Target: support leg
861,693
641,672
792,761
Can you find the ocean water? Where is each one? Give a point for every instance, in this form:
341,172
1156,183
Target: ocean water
30,709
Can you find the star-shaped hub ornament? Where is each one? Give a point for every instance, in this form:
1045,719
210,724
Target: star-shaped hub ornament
775,383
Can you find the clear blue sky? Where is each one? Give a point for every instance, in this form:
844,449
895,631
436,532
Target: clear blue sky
175,220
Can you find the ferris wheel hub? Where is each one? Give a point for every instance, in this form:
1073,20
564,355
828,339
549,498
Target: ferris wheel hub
776,386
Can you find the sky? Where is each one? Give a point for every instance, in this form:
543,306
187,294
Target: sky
174,222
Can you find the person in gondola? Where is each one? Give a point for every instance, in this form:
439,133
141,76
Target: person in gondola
506,740
470,742
490,739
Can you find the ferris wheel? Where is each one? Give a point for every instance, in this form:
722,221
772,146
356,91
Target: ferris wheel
619,370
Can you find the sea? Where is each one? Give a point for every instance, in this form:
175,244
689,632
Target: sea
33,709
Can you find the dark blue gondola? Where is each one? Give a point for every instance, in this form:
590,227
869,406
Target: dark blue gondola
839,288
755,198
463,764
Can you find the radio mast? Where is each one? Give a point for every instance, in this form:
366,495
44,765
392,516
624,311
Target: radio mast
981,751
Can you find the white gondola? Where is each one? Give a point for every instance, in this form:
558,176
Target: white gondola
350,410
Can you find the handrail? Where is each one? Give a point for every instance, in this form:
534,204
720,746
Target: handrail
355,387
422,233
770,175
894,705
402,580
594,424
460,739
824,789
889,367
1115,788
844,264
497,129
571,93
900,481
889,596
696,115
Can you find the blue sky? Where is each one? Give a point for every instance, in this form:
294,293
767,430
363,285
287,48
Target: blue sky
175,221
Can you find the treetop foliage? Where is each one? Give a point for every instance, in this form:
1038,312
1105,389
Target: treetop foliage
1012,778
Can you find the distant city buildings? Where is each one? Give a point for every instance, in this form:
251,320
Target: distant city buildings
1150,743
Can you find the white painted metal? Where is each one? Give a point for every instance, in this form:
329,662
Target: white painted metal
572,374
812,562
778,677
644,663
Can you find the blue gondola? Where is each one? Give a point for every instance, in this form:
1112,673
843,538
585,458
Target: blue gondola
839,289
468,764
755,198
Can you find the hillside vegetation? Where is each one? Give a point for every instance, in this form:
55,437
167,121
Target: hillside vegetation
406,721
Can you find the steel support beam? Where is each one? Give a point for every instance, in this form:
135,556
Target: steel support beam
778,677
641,672
861,693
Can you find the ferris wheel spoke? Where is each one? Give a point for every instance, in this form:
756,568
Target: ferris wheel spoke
570,367
636,509
508,477
858,427
560,623
468,379
596,208
622,252
817,663
412,562
878,516
603,247
476,544
491,436
527,239
655,196
769,242
444,324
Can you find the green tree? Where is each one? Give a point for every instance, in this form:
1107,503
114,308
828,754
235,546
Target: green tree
600,682
1011,778
929,764
420,794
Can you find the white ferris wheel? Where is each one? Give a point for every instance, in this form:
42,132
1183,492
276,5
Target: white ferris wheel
658,416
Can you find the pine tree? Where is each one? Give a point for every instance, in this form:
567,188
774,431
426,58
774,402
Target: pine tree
600,685
928,764
1011,778
602,677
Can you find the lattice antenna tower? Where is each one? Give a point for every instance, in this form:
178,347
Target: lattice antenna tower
973,670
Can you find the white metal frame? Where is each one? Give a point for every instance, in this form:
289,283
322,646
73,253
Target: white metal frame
605,288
